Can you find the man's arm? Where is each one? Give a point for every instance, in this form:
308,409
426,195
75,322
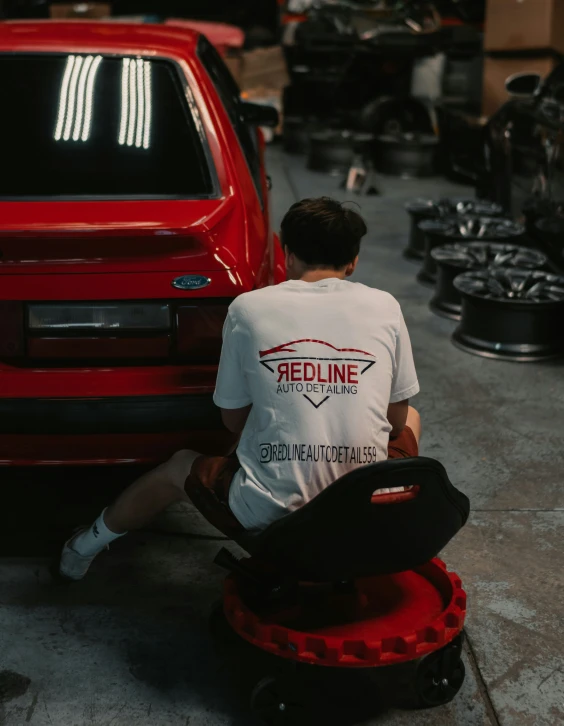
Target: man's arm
231,391
235,419
397,416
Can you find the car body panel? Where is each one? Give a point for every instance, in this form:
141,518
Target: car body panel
114,250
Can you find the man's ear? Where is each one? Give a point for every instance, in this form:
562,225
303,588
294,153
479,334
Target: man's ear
351,267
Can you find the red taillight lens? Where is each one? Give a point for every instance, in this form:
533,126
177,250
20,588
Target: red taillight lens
11,329
199,331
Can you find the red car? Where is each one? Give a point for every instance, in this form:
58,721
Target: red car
133,209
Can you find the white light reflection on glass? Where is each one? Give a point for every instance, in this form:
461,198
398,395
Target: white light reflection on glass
64,98
147,82
141,102
124,101
71,106
74,119
132,104
136,104
80,98
90,98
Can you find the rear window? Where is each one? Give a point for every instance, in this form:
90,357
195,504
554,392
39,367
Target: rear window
95,126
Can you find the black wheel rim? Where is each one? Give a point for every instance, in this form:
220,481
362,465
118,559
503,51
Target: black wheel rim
441,679
484,228
276,703
482,255
513,286
453,207
465,206
441,675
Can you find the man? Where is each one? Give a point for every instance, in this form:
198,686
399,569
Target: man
315,375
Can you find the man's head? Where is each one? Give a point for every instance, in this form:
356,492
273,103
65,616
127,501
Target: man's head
321,236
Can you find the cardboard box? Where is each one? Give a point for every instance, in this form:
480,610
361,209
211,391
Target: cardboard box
524,25
265,68
498,70
70,11
234,61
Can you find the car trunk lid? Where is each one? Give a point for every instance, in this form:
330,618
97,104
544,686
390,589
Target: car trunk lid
90,237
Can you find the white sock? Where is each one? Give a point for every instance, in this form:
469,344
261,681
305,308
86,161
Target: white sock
96,538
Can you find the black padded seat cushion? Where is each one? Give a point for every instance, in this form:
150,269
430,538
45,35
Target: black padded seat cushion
342,534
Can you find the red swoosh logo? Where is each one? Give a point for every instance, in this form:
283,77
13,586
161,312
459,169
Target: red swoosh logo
286,348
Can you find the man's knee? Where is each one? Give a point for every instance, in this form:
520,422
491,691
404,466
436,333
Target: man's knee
414,414
177,469
414,421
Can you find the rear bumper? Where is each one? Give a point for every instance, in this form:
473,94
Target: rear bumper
128,414
132,429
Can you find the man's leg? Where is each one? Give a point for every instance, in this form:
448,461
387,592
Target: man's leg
414,422
405,445
134,508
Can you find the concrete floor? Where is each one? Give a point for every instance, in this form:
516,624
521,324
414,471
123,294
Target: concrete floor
129,647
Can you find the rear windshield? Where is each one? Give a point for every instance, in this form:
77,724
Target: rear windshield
96,126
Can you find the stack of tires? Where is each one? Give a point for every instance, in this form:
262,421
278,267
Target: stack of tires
507,302
394,136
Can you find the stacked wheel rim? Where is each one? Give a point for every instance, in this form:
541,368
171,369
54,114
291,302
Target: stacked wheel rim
462,229
511,314
454,259
425,209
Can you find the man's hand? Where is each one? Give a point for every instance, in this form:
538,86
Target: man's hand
397,416
235,419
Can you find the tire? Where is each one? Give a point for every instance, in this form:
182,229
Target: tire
333,152
386,115
279,702
407,155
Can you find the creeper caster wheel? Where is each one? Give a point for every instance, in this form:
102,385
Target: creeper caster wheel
277,702
440,676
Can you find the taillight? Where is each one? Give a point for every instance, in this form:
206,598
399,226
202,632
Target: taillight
11,329
98,317
199,330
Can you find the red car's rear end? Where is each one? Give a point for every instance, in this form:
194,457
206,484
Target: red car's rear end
131,213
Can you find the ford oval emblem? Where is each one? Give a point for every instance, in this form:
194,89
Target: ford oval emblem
191,282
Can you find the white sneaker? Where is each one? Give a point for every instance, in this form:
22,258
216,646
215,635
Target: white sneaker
74,566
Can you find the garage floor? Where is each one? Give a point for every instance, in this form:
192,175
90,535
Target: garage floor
129,647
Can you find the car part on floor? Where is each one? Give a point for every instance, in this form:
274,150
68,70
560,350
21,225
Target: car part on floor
406,155
440,232
333,151
454,259
421,209
511,314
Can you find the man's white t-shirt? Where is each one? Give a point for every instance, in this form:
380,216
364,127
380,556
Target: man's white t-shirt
320,362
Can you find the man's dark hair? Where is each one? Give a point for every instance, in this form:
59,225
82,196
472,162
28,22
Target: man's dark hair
323,233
